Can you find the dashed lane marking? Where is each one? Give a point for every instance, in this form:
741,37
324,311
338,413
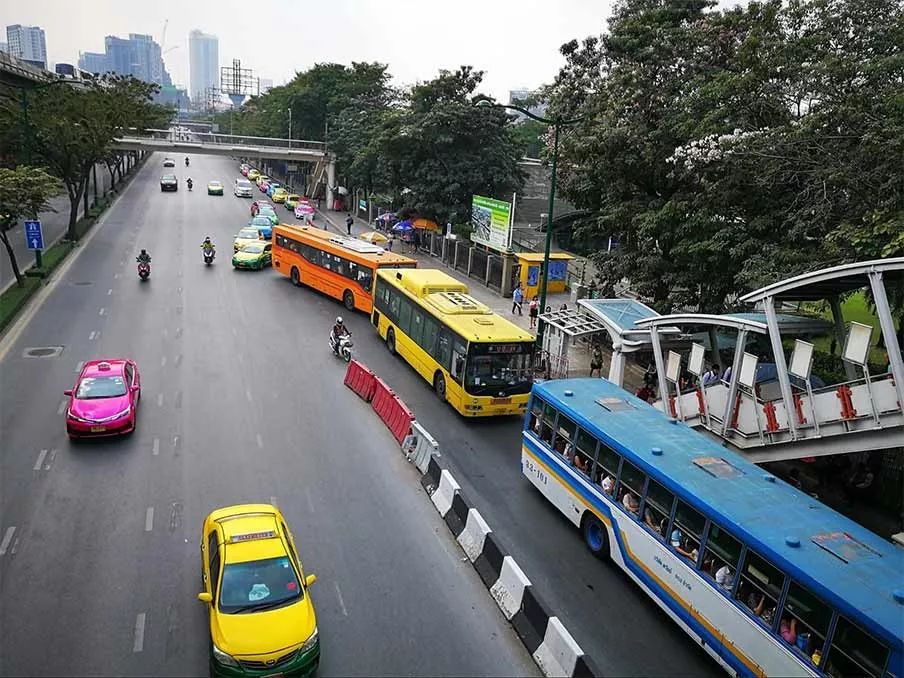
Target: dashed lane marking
109,291
138,645
260,441
149,519
341,602
247,395
163,361
62,407
307,495
102,311
40,462
159,400
7,538
78,368
156,449
93,335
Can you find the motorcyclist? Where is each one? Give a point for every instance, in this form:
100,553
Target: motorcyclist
207,245
338,330
189,182
143,258
186,161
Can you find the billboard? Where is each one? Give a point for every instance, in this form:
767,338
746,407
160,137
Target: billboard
490,222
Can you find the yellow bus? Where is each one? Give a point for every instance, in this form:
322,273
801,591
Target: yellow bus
477,361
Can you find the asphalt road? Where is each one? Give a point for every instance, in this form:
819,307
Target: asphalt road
241,402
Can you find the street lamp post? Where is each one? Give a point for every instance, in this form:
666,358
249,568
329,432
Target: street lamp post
556,125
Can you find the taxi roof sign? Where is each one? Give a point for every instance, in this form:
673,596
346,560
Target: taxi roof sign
251,536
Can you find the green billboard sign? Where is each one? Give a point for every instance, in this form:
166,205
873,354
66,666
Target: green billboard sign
490,222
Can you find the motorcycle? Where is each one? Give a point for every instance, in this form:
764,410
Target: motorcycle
186,162
189,183
344,348
209,255
144,270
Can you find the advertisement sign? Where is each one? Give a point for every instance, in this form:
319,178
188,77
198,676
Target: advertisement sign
490,222
362,205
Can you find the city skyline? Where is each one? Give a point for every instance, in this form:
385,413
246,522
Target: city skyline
204,64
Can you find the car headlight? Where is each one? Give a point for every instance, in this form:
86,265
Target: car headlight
77,418
222,658
311,642
124,413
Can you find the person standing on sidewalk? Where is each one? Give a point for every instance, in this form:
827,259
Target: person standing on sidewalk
517,300
348,223
596,360
533,311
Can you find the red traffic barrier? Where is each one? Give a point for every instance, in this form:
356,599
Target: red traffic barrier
360,380
394,413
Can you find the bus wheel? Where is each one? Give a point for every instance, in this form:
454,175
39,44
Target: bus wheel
349,300
595,536
296,277
390,340
439,385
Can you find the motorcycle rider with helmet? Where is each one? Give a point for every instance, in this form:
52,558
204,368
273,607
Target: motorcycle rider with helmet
339,329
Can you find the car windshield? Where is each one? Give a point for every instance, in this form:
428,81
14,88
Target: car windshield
101,387
292,196
246,233
253,248
169,177
261,221
244,184
215,184
266,209
258,584
495,369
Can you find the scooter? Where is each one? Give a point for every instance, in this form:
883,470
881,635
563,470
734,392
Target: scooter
186,162
144,270
209,255
344,349
189,182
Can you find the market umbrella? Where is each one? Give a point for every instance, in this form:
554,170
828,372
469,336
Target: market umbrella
403,227
374,238
425,224
386,216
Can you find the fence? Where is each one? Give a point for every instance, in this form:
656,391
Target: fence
479,264
494,274
461,255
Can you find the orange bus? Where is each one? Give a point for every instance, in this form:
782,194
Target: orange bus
341,267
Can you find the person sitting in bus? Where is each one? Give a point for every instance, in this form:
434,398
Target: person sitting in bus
608,484
688,550
724,578
757,602
788,630
579,463
629,501
675,538
649,519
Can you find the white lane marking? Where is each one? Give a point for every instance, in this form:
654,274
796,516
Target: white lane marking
341,602
138,645
234,333
116,276
81,364
159,400
307,496
273,501
92,336
109,291
248,395
260,441
62,407
149,519
7,538
165,333
102,311
163,361
156,449
40,462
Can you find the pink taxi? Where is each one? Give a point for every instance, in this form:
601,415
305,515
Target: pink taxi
105,399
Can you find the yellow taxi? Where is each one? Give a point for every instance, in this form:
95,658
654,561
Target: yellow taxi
262,620
244,237
280,195
260,178
253,174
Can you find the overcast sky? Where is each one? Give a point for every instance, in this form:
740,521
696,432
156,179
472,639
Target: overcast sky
516,43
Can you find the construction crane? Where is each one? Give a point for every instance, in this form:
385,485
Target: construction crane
163,36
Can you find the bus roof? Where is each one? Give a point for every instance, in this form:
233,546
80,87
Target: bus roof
347,247
448,298
814,544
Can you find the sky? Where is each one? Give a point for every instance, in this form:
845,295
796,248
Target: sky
515,43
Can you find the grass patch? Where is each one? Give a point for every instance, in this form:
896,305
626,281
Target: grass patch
14,299
55,255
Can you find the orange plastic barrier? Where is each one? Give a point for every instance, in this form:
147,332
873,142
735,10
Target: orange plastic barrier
360,380
394,413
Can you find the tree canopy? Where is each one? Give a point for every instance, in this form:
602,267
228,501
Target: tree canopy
17,203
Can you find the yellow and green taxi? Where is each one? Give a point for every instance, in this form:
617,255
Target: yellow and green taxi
214,187
291,201
244,237
262,620
279,195
253,174
254,256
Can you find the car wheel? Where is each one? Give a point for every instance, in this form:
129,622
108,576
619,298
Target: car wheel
439,385
390,340
296,277
349,300
595,536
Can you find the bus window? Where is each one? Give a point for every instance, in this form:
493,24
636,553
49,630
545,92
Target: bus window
443,347
720,559
565,434
459,352
630,488
686,531
395,300
760,586
608,468
657,508
854,653
431,329
417,325
549,421
404,321
586,452
804,622
536,414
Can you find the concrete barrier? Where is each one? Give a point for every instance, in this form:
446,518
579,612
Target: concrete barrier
445,493
558,653
508,591
474,535
418,446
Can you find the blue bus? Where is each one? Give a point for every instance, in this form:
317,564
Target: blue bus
768,580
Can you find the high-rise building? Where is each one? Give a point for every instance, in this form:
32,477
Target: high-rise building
139,56
27,43
93,62
4,47
204,63
266,84
148,62
119,55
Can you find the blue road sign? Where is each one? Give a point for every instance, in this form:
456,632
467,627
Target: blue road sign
34,236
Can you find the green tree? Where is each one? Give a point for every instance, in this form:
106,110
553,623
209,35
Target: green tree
17,203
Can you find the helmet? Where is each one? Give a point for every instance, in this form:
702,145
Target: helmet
339,320
144,251
207,239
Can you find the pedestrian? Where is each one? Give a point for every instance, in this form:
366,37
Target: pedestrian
563,307
348,223
517,300
533,310
389,243
596,360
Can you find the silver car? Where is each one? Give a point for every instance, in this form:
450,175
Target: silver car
242,188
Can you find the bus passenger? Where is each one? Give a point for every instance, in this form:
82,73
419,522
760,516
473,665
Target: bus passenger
579,463
724,578
757,603
608,484
649,519
788,630
629,501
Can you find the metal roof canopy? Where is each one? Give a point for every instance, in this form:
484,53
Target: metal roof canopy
693,319
620,318
573,322
828,282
